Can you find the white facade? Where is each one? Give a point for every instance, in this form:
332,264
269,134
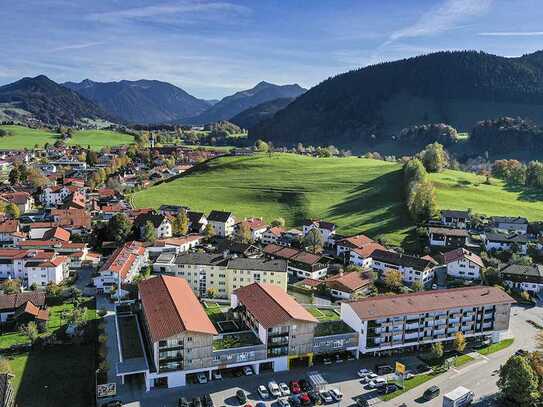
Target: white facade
223,229
465,269
409,274
359,260
41,276
327,234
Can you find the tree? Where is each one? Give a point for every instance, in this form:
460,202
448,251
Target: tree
11,286
518,383
261,146
244,233
149,232
278,222
53,290
91,158
436,352
13,211
393,279
491,276
209,231
421,201
30,330
181,223
434,157
77,317
119,227
5,367
314,240
459,342
521,260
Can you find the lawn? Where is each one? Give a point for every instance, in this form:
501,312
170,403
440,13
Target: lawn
24,137
359,195
323,314
49,377
495,347
409,384
462,360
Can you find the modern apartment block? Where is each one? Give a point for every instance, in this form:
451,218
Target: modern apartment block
410,321
218,276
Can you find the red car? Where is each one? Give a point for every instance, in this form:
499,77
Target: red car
304,398
295,387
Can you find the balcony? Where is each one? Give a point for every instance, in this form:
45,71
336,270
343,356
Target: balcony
411,326
236,340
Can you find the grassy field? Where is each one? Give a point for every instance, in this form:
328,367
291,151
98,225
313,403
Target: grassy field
23,137
323,314
359,195
495,347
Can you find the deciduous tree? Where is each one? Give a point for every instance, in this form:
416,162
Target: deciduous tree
518,383
313,240
459,342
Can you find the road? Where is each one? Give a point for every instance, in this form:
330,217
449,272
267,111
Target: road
479,375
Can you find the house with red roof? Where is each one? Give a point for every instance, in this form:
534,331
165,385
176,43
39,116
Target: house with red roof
23,200
10,233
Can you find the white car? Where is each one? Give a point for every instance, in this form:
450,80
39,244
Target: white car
217,375
363,372
326,397
283,403
247,371
327,361
263,392
285,391
274,389
202,378
377,382
336,394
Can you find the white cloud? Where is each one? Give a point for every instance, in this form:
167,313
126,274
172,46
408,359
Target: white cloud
164,10
76,46
512,34
442,18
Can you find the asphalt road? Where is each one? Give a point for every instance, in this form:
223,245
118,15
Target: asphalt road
479,376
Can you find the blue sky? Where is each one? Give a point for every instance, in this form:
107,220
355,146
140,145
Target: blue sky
214,48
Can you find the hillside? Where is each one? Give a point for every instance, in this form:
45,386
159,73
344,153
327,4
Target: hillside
47,101
366,107
24,137
230,106
143,101
360,195
254,115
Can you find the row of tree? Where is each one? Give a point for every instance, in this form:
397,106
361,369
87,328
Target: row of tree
419,191
516,173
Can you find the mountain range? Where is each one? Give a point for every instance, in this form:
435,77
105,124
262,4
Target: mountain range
252,116
43,99
369,106
142,101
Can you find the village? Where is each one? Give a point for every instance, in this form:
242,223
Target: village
188,297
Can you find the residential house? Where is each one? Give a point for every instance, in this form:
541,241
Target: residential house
417,320
511,242
10,233
23,200
462,263
346,286
346,244
447,237
272,235
510,223
300,263
455,218
256,226
523,278
197,222
222,223
174,245
9,303
41,272
362,256
412,268
162,225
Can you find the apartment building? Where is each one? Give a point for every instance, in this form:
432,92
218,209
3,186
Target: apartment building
222,223
462,263
410,321
412,268
218,276
121,267
33,266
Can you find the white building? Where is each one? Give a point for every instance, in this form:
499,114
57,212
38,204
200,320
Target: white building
326,229
462,263
523,278
412,268
272,235
43,272
121,267
498,241
161,223
222,223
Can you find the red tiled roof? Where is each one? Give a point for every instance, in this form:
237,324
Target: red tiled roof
271,306
18,198
178,241
427,301
311,282
12,301
255,223
9,226
170,308
366,250
123,258
57,233
348,282
461,253
276,230
306,258
354,242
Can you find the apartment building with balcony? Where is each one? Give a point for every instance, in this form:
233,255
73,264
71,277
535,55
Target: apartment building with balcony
409,321
219,276
412,268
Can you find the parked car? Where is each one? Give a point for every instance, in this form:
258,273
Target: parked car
260,404
196,402
408,375
388,388
304,399
247,371
521,352
263,392
283,403
305,385
430,393
202,378
423,368
314,397
242,398
338,358
285,391
113,403
363,372
295,387
336,394
383,369
183,402
294,401
369,377
274,389
327,361
377,382
326,397
216,375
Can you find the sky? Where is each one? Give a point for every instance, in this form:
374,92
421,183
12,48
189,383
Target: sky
215,48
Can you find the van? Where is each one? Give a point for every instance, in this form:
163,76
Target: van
430,393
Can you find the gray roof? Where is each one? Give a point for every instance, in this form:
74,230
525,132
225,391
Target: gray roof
387,256
239,263
500,237
166,257
455,213
203,259
534,270
219,216
510,219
